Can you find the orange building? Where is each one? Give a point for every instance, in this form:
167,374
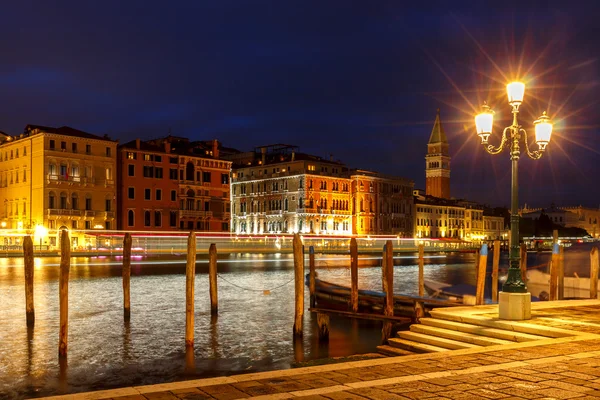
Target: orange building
437,162
171,183
148,187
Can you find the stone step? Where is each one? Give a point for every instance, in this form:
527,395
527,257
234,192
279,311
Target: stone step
457,335
481,330
393,351
415,347
517,326
435,341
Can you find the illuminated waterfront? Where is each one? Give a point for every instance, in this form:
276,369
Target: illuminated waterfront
253,331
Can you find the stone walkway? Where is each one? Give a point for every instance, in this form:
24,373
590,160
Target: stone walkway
555,368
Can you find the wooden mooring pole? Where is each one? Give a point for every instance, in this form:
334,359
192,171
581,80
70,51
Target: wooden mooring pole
190,276
481,270
594,266
63,289
495,263
312,284
421,270
388,283
299,284
126,276
353,275
561,273
212,279
554,271
28,259
523,262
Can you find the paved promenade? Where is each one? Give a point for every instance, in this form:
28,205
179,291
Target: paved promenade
564,367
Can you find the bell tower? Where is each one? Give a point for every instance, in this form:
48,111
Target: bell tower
437,162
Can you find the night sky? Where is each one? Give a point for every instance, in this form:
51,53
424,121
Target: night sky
357,79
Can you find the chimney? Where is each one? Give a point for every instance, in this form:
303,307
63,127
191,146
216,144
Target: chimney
215,148
263,151
137,143
293,155
167,147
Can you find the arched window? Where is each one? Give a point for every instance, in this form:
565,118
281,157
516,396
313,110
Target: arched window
285,206
189,171
130,218
63,201
51,200
74,201
146,218
157,218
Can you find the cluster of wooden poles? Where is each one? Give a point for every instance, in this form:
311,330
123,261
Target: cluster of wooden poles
556,271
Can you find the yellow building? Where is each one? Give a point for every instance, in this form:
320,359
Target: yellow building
57,178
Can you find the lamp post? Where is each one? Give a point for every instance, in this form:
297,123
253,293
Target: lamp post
511,138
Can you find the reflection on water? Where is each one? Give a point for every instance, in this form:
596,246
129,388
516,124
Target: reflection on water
253,331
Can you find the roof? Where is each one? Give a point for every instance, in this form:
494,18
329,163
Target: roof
437,133
65,130
145,146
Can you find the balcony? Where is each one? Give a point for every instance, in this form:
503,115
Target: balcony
274,212
307,210
341,212
64,212
89,213
195,214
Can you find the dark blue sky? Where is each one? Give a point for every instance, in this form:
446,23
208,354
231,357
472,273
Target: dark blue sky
357,79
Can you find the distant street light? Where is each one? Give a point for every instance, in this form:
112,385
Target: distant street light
511,137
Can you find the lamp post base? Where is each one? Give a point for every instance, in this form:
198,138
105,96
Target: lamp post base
514,306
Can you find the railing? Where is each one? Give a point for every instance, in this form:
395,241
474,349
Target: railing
63,211
194,214
274,212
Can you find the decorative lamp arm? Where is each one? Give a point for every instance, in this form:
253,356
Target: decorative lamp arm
534,155
496,150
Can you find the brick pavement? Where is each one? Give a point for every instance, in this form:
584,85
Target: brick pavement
558,368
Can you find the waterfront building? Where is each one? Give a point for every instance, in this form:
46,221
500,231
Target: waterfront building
147,187
172,183
568,216
57,178
275,189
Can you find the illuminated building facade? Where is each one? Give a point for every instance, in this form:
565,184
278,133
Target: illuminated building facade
437,162
174,184
58,178
578,216
278,190
381,204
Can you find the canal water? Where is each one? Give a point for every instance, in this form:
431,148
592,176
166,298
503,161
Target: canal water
253,331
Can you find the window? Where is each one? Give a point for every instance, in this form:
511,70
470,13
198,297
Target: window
224,226
173,173
24,174
224,179
63,201
173,218
51,145
158,172
88,224
24,151
147,194
107,225
131,193
17,153
51,201
88,204
173,160
130,170
74,202
157,218
147,157
74,224
146,218
63,145
108,152
108,204
51,224
88,149
148,171
173,195
131,155
158,194
109,174
130,218
206,177
74,147
158,159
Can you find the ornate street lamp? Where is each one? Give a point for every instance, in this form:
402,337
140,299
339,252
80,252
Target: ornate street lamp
511,138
